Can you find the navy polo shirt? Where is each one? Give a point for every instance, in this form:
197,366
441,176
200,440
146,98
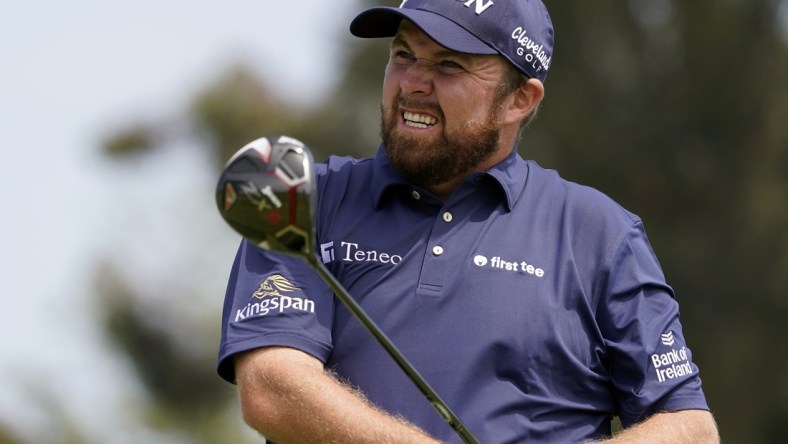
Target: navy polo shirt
534,306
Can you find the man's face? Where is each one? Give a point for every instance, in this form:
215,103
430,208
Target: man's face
440,109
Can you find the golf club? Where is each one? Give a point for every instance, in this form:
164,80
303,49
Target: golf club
266,192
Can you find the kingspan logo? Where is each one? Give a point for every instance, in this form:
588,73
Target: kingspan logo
274,295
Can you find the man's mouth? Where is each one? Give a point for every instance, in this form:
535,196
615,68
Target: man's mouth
419,120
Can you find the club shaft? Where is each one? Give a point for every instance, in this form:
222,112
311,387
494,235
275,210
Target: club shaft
393,351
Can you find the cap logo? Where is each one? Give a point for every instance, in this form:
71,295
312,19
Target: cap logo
532,51
519,30
481,6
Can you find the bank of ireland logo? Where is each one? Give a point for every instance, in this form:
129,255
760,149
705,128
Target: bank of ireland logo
674,363
480,260
667,338
274,285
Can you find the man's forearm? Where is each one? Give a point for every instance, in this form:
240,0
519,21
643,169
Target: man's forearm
686,426
288,397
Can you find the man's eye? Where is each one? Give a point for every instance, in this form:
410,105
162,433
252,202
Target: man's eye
404,55
450,64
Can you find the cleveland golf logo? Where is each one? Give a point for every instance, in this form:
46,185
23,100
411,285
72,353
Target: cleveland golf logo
275,295
532,51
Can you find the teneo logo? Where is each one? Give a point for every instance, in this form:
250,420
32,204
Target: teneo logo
351,252
498,263
327,252
274,295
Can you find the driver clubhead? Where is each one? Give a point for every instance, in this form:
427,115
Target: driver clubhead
265,193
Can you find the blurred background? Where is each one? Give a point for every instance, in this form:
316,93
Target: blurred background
115,118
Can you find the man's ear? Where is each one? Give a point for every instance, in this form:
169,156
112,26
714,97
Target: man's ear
523,101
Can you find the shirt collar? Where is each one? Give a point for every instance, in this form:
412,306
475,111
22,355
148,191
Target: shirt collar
510,174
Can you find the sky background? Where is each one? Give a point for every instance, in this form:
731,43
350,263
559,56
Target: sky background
73,73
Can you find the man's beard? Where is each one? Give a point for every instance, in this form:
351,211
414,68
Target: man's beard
435,161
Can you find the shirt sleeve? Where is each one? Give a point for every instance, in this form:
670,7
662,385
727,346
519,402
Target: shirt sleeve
650,364
273,300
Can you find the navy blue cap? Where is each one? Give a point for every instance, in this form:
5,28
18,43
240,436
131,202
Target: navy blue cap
519,30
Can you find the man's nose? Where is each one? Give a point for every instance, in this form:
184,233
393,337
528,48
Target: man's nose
418,78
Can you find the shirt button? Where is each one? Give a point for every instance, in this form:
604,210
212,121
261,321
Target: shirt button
447,217
437,250
416,195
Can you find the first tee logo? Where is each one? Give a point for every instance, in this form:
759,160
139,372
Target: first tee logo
498,263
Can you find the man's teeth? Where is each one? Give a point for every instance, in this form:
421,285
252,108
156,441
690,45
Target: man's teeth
419,120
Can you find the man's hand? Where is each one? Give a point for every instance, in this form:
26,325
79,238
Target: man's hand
686,426
287,396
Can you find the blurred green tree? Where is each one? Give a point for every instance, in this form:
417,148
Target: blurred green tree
6,437
676,110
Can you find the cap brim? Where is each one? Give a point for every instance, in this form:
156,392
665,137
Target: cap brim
384,22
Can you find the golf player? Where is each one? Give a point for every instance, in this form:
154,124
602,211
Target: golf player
534,306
